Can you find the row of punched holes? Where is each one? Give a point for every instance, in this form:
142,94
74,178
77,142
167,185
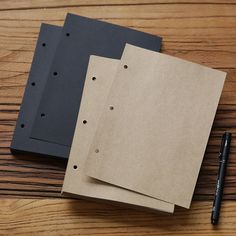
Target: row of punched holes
33,84
54,73
85,121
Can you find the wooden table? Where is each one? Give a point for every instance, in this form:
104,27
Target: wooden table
30,201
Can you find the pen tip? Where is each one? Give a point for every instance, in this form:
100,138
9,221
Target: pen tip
214,222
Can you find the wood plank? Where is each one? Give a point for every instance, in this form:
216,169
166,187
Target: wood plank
80,217
26,4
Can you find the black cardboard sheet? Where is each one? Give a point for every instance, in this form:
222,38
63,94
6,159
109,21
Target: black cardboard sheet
81,37
44,52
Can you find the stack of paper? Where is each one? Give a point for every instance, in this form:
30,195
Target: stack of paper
54,89
144,124
139,119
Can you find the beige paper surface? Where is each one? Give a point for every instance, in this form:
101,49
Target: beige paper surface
155,126
100,75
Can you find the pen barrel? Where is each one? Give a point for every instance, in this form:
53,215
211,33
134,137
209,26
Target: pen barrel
220,179
218,194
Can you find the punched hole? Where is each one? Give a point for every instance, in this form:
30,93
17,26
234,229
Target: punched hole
67,34
94,78
125,66
42,115
22,125
75,167
96,150
84,121
33,83
111,108
55,73
44,44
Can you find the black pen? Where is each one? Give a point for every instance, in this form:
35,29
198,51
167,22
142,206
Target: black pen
223,156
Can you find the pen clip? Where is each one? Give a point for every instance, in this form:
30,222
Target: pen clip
222,146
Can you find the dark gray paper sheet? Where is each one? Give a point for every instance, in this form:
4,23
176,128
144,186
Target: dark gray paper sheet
44,52
81,37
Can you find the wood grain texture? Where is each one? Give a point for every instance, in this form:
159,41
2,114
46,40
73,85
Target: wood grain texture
71,217
203,32
200,31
